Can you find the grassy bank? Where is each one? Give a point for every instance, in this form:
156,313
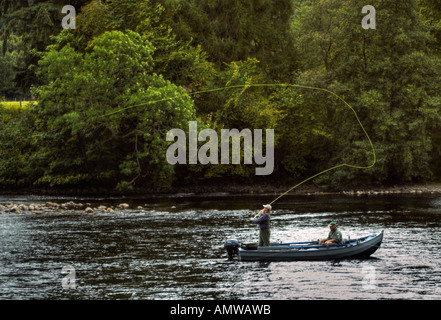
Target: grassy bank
15,104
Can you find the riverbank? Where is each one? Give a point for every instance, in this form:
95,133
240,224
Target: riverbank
16,207
48,207
232,189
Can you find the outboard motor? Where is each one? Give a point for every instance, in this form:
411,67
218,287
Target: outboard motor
232,247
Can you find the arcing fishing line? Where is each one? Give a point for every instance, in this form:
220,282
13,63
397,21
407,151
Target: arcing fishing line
282,85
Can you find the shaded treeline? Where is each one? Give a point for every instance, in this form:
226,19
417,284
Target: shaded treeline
107,92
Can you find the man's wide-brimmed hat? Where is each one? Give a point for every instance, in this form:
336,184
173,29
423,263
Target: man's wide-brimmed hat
268,206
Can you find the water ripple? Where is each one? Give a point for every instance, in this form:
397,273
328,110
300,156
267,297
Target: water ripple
174,251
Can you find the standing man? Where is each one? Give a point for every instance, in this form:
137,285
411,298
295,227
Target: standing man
263,220
334,236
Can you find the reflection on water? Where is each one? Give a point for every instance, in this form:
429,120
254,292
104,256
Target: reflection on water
173,250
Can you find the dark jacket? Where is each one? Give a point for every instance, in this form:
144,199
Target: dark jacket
263,221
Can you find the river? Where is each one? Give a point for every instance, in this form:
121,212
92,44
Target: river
172,249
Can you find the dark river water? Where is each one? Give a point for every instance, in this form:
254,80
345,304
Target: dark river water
172,249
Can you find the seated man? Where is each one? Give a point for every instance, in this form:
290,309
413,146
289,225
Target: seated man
334,236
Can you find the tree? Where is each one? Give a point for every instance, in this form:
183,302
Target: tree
230,30
16,141
389,75
34,22
8,63
431,18
103,114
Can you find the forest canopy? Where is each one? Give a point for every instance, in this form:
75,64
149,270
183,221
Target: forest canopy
101,97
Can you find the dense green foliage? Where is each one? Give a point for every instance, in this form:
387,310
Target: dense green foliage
86,111
108,91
